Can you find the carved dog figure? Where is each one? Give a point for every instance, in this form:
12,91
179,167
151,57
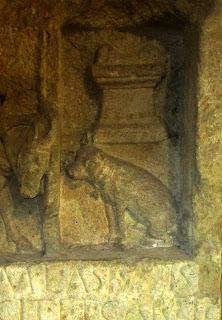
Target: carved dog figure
124,186
25,150
33,160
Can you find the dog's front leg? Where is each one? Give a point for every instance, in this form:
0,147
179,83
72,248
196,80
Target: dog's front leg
112,219
13,233
120,209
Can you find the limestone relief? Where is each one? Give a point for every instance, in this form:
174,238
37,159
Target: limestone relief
100,167
25,155
124,186
124,153
110,152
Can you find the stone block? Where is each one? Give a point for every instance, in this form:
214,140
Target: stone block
185,279
10,310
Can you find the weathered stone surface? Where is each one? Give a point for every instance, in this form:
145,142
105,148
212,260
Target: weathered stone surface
117,104
40,139
99,291
100,13
18,105
95,73
207,199
185,279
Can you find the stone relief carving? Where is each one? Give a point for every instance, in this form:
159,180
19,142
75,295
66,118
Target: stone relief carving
33,159
25,155
114,92
124,186
7,207
118,90
127,79
128,147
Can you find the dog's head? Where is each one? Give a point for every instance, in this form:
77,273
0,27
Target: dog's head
34,158
85,163
32,164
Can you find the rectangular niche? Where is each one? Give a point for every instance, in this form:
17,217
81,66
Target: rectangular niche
98,161
124,141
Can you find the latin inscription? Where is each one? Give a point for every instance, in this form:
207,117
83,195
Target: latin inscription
69,309
97,291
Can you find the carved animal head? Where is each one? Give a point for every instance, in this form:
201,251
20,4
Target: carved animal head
33,160
85,163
